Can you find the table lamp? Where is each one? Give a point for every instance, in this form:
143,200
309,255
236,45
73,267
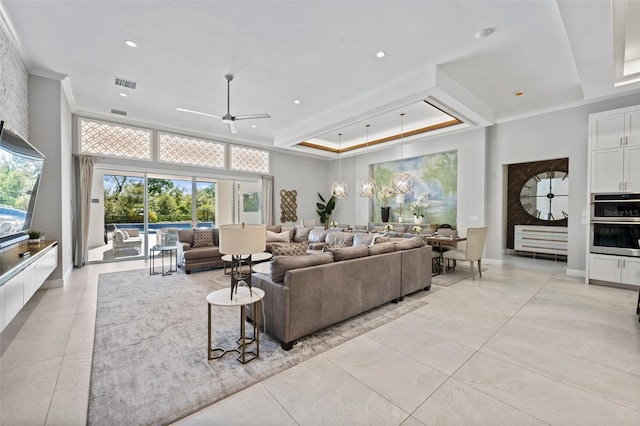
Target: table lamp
240,241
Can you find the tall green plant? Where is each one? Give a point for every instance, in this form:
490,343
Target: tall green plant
324,210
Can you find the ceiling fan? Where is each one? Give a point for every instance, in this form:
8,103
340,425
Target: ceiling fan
228,119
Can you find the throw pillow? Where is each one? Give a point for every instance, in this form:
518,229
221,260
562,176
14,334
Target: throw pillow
294,249
382,239
126,235
202,237
302,234
278,237
332,247
118,235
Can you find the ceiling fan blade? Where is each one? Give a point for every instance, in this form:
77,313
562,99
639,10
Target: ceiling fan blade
198,112
251,116
232,126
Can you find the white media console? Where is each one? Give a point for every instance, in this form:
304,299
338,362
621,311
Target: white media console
20,277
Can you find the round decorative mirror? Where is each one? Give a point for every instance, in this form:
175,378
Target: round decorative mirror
546,195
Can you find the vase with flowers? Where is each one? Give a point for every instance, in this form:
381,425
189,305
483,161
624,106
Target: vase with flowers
418,207
384,195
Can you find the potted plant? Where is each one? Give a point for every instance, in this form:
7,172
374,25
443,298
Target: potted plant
324,210
385,193
418,207
34,237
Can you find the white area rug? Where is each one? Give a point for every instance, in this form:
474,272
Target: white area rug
149,359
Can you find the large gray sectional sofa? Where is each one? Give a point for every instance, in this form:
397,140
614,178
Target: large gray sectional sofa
193,253
304,294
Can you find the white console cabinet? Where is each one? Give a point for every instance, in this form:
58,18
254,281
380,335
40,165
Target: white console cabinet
615,151
23,278
614,269
541,239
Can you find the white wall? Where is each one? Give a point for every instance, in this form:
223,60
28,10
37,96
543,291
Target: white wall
561,134
47,113
307,176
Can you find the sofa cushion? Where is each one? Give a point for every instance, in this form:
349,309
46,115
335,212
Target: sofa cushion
209,253
317,235
202,237
186,236
339,237
301,234
291,249
291,229
379,228
387,247
347,253
278,237
363,238
281,264
332,247
409,243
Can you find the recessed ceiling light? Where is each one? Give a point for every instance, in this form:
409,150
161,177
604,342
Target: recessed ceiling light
124,95
380,54
254,126
131,43
484,33
297,102
519,93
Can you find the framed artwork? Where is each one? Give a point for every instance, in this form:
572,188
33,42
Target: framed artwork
435,183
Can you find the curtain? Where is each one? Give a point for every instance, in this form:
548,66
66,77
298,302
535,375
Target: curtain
267,200
84,167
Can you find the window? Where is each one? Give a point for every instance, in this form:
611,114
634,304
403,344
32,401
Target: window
249,159
114,140
192,151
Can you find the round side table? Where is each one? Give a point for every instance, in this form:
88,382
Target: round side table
242,297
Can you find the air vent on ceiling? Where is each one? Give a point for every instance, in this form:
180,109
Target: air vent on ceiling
117,111
125,83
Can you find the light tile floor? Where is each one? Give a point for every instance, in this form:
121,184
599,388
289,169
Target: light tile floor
523,345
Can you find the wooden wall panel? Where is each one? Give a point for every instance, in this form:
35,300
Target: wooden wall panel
517,175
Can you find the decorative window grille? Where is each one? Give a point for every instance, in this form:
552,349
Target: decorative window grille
115,140
249,159
187,150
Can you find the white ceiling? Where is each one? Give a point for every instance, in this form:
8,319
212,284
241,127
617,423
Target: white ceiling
322,53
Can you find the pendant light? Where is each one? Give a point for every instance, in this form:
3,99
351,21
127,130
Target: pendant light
339,189
402,181
367,186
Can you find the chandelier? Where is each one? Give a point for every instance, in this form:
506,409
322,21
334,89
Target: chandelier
402,182
339,189
367,186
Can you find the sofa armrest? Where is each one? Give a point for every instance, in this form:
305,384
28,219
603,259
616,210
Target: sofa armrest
275,304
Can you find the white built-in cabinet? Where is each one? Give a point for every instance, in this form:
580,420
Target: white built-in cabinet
615,151
614,269
17,290
541,239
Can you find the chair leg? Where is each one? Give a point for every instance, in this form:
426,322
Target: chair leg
480,267
472,274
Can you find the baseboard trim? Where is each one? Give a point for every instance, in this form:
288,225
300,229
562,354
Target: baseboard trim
576,272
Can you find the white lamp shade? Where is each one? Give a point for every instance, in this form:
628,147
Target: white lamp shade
242,239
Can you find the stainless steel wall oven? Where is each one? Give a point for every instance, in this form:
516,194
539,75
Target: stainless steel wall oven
615,224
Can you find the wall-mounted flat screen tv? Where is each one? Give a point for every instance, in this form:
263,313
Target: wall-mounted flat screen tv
20,171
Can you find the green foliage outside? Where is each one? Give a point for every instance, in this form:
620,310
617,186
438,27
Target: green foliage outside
11,183
124,201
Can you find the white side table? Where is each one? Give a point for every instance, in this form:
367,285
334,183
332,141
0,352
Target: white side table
241,298
162,250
